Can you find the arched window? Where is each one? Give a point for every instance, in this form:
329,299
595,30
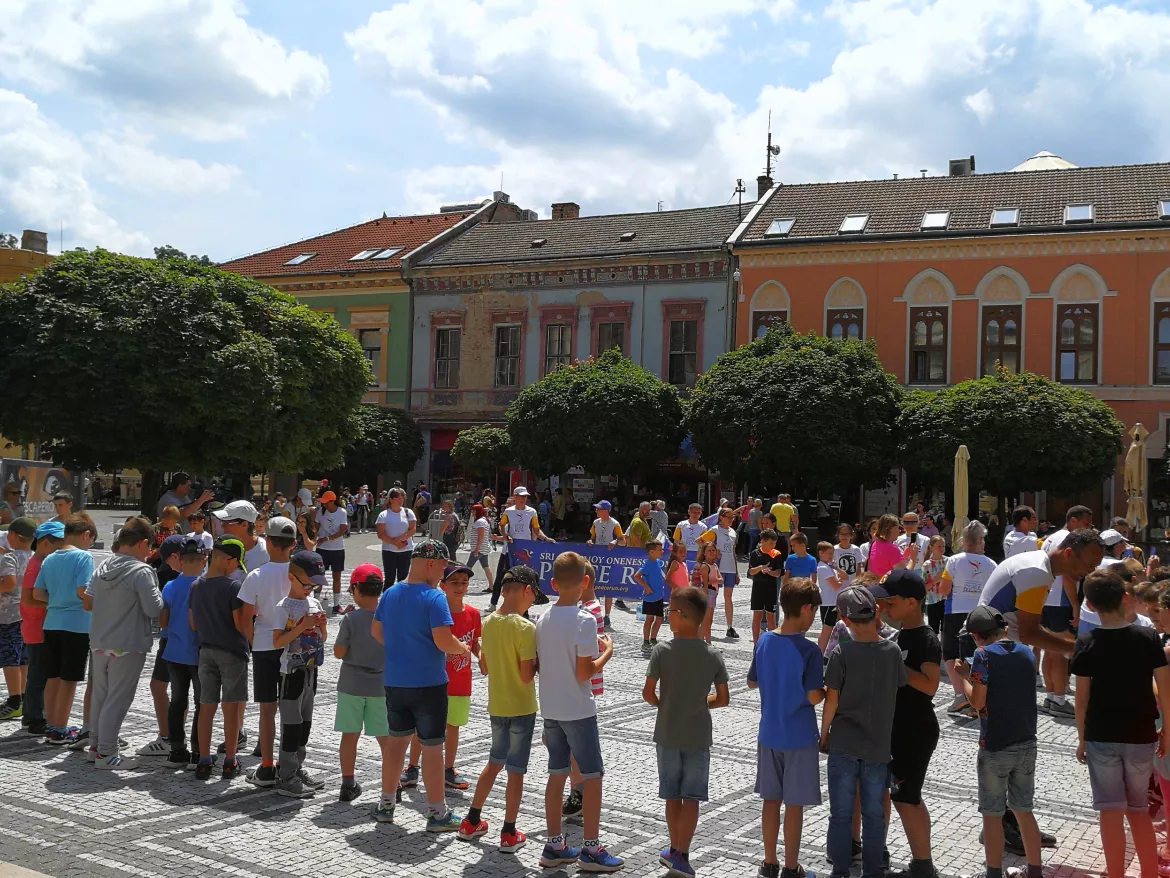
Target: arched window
928,345
1001,338
845,323
1076,354
845,310
1162,343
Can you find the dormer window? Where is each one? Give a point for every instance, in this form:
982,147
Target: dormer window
1078,213
363,255
1164,209
629,236
539,242
300,259
780,228
386,254
936,220
853,224
1005,217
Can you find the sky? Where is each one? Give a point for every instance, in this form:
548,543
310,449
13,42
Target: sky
225,127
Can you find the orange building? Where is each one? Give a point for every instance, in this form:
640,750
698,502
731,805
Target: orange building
1060,270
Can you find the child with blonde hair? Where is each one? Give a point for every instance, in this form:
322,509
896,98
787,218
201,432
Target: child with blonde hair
706,576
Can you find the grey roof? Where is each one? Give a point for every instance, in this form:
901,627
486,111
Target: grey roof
1122,195
667,231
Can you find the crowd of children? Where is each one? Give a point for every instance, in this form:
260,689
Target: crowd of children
407,655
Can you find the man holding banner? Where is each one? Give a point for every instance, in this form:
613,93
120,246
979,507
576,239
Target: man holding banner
518,522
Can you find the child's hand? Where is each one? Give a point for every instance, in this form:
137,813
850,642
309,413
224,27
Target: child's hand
824,743
1081,758
645,589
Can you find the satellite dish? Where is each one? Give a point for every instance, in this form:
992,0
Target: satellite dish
775,150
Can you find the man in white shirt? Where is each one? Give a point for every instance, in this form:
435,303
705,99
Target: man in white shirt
238,520
332,526
1022,536
518,521
361,504
690,530
911,536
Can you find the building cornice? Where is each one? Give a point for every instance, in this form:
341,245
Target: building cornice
626,271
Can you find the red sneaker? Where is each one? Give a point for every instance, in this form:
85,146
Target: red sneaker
469,831
510,842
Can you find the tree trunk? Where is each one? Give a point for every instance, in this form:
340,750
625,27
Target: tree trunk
152,489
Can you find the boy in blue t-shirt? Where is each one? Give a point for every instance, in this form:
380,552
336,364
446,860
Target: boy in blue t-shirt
181,652
800,564
652,578
787,669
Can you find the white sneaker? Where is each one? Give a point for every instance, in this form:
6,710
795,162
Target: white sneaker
157,747
91,754
117,763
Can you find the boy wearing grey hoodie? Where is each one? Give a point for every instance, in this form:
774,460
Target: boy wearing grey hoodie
123,598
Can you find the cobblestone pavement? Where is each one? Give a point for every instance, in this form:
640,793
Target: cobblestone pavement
61,817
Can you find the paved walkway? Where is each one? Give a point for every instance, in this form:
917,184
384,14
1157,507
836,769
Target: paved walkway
61,817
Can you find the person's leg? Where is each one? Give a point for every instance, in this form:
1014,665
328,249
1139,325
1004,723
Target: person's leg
34,690
916,821
122,676
1029,832
415,752
993,840
757,617
646,627
729,602
656,627
841,774
559,764
197,692
390,767
591,807
793,828
1112,823
233,720
512,793
450,747
177,705
347,753
99,674
608,606
158,695
770,827
672,822
686,821
14,681
487,780
337,583
268,712
388,568
873,786
53,703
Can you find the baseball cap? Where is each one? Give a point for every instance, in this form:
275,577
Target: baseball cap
1112,537
603,504
452,569
237,510
430,550
328,497
305,496
525,574
857,604
172,545
191,546
364,572
25,527
280,526
904,584
50,529
521,491
983,619
233,549
312,565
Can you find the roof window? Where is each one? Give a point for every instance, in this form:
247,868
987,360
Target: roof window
935,220
365,254
1164,209
386,254
1002,217
300,259
629,236
853,224
1078,213
539,242
780,227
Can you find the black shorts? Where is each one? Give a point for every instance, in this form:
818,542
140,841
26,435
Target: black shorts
266,675
162,668
955,645
334,559
66,653
764,595
418,709
652,608
1057,619
828,615
910,753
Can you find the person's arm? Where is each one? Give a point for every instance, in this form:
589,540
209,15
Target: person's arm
619,538
925,680
649,691
476,549
250,621
1070,592
191,620
195,505
527,670
86,596
537,533
376,631
8,583
721,697
589,667
149,597
827,713
282,637
1082,711
447,642
1032,634
1162,684
641,580
238,618
164,617
339,650
945,583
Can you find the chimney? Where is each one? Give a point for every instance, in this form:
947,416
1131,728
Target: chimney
499,195
36,241
962,167
763,184
566,210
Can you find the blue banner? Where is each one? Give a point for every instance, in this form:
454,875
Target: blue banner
614,568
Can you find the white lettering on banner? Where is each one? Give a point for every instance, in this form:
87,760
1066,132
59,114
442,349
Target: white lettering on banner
614,570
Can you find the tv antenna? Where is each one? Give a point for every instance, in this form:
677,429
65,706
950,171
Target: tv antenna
771,151
739,190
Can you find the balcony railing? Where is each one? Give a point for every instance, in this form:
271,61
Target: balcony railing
459,398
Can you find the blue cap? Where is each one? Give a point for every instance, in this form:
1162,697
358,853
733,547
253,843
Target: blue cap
50,529
603,504
172,545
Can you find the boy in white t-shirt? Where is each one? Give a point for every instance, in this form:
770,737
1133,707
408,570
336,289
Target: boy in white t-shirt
607,532
568,656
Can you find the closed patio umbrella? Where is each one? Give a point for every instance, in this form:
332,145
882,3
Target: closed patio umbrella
961,495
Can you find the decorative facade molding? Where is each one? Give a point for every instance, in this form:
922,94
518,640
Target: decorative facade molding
845,293
929,287
476,278
1079,283
1160,289
1002,284
683,309
771,295
448,317
610,312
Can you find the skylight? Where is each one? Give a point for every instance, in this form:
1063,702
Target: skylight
935,220
780,228
1078,213
539,242
1005,216
301,259
365,254
629,236
853,224
386,254
1164,209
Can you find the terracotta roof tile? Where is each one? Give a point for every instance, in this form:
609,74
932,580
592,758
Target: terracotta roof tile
1121,194
334,250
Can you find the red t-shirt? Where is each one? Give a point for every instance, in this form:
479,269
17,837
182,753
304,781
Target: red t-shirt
32,619
465,625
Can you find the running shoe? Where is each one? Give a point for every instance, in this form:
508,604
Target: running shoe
409,777
11,711
262,776
91,754
350,792
732,634
600,860
664,856
573,804
1052,707
384,813
231,769
55,737
443,822
178,758
292,789
605,621
559,856
157,747
78,739
681,866
453,781
116,763
621,605
510,842
470,832
203,770
312,783
768,870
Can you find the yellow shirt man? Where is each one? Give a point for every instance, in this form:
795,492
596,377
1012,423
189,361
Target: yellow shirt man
783,513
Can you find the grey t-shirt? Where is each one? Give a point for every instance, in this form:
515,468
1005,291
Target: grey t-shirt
361,669
867,675
170,498
686,669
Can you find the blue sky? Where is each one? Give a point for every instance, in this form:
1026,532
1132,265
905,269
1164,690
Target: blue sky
222,127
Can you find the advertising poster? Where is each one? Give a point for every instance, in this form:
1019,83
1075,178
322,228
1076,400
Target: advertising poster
39,480
615,568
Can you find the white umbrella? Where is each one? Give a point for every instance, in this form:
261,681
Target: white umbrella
1135,478
962,498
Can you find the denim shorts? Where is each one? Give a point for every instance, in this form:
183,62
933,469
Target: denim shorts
1119,775
223,676
682,774
512,742
789,776
421,709
1007,777
576,738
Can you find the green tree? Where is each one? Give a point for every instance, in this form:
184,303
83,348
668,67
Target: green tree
166,251
483,450
607,415
1024,432
8,242
388,441
810,413
115,362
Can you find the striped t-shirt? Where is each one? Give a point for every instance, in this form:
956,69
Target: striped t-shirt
594,607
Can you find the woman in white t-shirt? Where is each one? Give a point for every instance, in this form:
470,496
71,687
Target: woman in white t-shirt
396,525
481,543
963,579
723,535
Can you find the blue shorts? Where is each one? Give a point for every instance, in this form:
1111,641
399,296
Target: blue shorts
418,709
1007,777
1119,775
334,559
12,651
789,776
575,738
730,580
682,774
1057,619
512,742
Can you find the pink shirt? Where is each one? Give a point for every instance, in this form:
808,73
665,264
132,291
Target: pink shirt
882,557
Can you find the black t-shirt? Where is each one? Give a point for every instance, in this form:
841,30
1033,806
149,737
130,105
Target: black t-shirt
212,601
759,558
1121,663
914,708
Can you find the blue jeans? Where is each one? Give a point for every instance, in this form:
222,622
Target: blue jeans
847,775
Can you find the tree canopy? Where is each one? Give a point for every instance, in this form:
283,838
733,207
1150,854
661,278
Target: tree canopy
388,441
8,242
801,411
607,415
113,362
166,251
483,450
1024,432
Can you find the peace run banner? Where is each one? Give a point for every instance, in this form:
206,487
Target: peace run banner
614,568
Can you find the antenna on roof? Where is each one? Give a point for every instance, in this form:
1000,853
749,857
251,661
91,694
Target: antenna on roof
771,151
739,190
660,205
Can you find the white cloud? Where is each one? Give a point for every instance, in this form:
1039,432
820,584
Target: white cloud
195,65
127,159
981,104
43,184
